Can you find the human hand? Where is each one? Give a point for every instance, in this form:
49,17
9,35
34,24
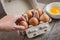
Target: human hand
8,22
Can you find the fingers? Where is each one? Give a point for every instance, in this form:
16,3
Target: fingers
19,27
19,17
22,19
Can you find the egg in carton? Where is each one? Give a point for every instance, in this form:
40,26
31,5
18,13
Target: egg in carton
41,28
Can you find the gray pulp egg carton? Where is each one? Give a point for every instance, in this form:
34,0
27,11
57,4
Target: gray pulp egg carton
41,28
34,31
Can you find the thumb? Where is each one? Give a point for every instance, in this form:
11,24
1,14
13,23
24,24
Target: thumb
19,27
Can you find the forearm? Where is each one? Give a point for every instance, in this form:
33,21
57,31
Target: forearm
1,26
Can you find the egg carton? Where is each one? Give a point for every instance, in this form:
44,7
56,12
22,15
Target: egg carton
41,28
34,31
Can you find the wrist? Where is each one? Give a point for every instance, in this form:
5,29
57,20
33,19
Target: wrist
1,26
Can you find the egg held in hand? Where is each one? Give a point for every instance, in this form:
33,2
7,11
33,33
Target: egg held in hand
44,17
20,19
33,21
24,23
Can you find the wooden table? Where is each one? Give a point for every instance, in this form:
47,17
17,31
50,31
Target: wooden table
54,34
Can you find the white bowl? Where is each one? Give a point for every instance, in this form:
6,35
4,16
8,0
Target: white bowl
15,6
55,16
18,6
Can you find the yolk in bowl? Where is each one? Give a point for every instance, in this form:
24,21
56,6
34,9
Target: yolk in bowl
54,10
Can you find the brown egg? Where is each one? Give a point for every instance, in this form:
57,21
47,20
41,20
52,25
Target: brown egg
33,21
39,11
44,17
24,23
28,13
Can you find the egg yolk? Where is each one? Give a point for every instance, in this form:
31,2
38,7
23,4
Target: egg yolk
54,10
